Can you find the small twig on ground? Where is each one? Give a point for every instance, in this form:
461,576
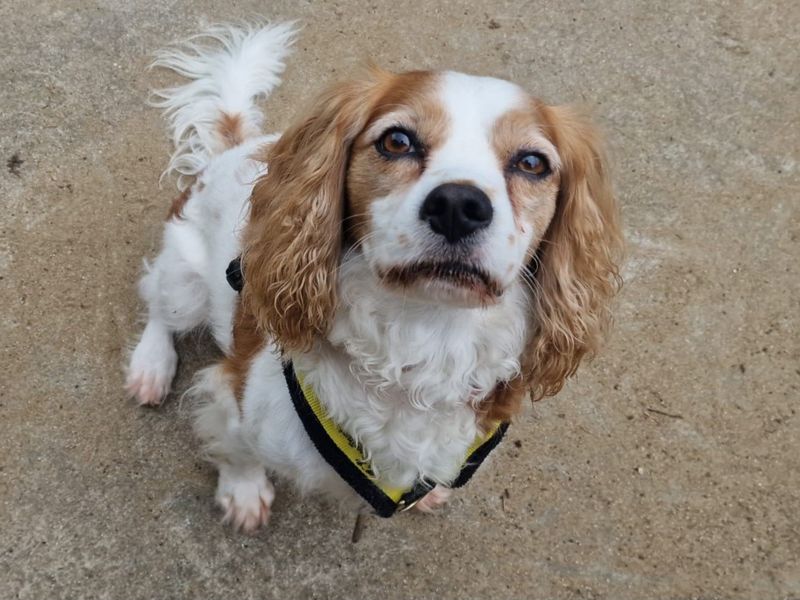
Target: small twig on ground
358,528
665,414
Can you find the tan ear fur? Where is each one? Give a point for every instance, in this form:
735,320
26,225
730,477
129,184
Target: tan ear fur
577,274
293,240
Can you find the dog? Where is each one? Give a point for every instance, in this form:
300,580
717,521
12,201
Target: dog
422,250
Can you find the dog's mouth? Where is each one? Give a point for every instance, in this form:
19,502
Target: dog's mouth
466,276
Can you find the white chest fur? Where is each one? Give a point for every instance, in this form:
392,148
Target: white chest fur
402,377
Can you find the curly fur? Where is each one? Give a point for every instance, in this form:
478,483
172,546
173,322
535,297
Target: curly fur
292,244
578,273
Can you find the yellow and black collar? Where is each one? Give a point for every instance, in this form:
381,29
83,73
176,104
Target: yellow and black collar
347,459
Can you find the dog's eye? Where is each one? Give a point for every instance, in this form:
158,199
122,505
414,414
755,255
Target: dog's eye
397,142
533,164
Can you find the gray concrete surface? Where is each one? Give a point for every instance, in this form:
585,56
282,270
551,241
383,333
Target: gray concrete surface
606,496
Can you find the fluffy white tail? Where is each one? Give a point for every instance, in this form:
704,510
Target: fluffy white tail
230,68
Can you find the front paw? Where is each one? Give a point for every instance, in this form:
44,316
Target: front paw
149,388
434,500
152,367
245,496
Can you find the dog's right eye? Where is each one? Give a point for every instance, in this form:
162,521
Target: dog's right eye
396,143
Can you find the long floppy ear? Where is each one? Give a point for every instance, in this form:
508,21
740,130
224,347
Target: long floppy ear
578,274
576,269
292,243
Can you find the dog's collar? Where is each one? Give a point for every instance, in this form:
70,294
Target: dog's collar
345,456
349,462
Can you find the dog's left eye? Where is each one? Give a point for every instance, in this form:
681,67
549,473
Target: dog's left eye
532,163
397,142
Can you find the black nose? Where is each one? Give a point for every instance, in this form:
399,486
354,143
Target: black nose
455,210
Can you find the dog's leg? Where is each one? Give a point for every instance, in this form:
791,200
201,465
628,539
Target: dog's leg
243,490
177,300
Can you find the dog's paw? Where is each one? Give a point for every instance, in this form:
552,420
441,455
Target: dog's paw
148,388
245,497
434,500
152,368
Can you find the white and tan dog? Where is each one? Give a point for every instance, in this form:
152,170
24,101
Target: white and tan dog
426,247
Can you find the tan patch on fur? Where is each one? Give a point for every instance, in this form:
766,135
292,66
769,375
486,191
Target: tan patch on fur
176,208
532,201
230,128
504,403
414,92
247,342
371,175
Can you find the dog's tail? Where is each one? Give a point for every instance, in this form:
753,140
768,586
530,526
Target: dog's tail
229,68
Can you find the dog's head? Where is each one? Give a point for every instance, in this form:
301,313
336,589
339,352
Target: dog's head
453,188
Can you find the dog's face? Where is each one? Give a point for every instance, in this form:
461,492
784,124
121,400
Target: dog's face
450,186
453,188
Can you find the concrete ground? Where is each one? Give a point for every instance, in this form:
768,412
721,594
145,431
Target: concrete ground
668,468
